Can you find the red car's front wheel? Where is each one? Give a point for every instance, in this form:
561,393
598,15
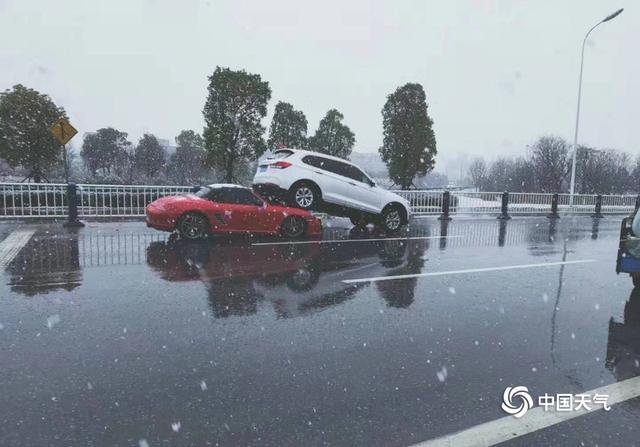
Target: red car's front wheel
192,226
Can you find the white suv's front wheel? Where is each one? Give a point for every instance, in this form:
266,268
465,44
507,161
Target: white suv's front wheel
305,196
391,218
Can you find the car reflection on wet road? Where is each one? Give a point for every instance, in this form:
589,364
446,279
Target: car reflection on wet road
296,279
112,334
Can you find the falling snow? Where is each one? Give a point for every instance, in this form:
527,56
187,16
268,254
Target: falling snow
53,320
442,374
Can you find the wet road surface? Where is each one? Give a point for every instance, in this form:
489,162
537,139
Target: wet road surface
118,335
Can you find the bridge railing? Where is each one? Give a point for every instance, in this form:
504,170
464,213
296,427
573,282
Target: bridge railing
57,200
516,203
121,200
33,200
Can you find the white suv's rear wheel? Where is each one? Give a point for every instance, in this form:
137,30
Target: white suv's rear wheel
305,196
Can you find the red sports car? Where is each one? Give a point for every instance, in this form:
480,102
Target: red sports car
222,208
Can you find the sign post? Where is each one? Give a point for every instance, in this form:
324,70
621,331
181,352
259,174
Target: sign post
63,132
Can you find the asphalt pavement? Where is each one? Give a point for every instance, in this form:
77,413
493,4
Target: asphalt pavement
115,334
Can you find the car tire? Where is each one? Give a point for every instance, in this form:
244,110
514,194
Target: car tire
359,220
292,227
303,280
391,218
192,226
635,277
305,196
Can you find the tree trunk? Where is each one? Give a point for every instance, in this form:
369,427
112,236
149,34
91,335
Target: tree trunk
229,174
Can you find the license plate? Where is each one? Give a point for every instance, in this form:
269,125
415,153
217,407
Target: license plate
262,168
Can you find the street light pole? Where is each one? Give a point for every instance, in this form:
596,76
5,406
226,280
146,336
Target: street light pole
575,135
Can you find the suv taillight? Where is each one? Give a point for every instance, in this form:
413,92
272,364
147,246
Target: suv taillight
280,165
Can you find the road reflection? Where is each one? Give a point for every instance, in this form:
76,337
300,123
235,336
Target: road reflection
54,260
46,264
296,279
623,342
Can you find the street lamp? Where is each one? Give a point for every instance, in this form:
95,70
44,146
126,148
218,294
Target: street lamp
575,135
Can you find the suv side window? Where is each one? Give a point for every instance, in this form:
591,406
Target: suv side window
336,167
356,174
238,196
316,162
326,164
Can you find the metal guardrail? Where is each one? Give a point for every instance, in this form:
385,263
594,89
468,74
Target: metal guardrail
26,200
121,200
516,203
33,200
51,199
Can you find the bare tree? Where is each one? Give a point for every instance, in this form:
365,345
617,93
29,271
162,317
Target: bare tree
550,160
477,172
603,171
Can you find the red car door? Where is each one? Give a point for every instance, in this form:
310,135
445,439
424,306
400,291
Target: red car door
239,211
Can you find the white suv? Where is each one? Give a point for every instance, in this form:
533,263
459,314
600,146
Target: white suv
315,181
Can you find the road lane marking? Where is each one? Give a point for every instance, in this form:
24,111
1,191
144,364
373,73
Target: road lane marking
340,241
458,272
509,427
11,246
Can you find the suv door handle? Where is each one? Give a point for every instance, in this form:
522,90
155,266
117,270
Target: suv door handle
351,183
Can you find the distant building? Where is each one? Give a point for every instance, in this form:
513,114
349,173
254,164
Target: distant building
168,146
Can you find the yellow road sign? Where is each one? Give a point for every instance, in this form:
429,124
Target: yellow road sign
63,131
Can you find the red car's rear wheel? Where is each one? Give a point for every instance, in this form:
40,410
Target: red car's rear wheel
292,227
192,226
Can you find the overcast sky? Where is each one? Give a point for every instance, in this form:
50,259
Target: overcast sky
497,74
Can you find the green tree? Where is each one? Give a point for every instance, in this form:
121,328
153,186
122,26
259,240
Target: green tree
25,118
149,157
106,151
288,127
236,104
333,137
409,144
189,157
